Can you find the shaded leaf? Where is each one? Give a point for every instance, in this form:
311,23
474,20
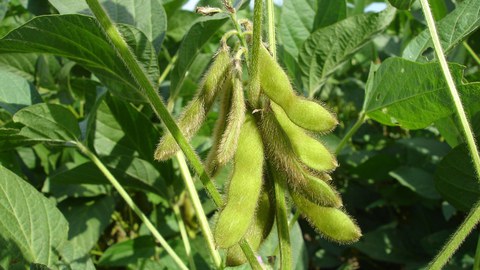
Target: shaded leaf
16,92
21,64
413,95
417,180
129,251
11,138
148,16
50,122
328,48
452,29
79,38
29,220
401,4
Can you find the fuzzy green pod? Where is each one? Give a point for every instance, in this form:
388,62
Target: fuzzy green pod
257,233
244,187
318,191
331,222
195,112
310,151
276,85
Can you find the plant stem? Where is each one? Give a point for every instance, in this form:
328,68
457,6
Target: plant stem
472,52
250,255
156,102
476,262
167,69
132,205
457,238
360,120
254,85
281,216
184,235
197,205
271,28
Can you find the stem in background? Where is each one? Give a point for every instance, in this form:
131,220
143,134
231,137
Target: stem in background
254,84
281,216
167,69
271,28
474,216
360,120
476,262
472,52
457,238
132,205
183,234
157,105
197,205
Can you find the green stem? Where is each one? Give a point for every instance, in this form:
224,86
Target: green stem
254,85
271,28
360,120
155,101
281,216
472,52
167,69
184,235
250,255
132,205
476,262
197,205
293,220
457,238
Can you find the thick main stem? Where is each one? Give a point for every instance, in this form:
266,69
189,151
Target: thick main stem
123,193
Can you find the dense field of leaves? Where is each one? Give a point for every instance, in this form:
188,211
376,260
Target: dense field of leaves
78,133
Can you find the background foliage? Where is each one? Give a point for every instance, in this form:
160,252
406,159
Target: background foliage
406,175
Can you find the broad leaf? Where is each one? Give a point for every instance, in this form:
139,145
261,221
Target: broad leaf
401,4
21,64
456,179
452,29
79,38
16,92
128,252
302,17
417,180
328,48
50,122
198,35
413,95
148,16
29,222
11,138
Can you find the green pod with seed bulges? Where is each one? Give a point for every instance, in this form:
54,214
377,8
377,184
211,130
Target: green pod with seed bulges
276,85
310,151
244,187
332,223
257,233
195,112
317,191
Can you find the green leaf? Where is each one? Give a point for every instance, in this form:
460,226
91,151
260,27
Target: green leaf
3,9
302,17
198,35
129,251
148,16
120,129
11,138
455,179
417,180
16,92
29,222
21,64
328,48
79,38
401,4
49,122
413,95
452,30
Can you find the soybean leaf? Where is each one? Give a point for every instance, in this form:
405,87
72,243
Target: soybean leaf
455,179
120,129
79,38
49,122
401,4
302,17
3,9
29,222
417,180
128,252
413,95
148,16
87,220
198,35
10,138
16,92
452,29
328,48
21,64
